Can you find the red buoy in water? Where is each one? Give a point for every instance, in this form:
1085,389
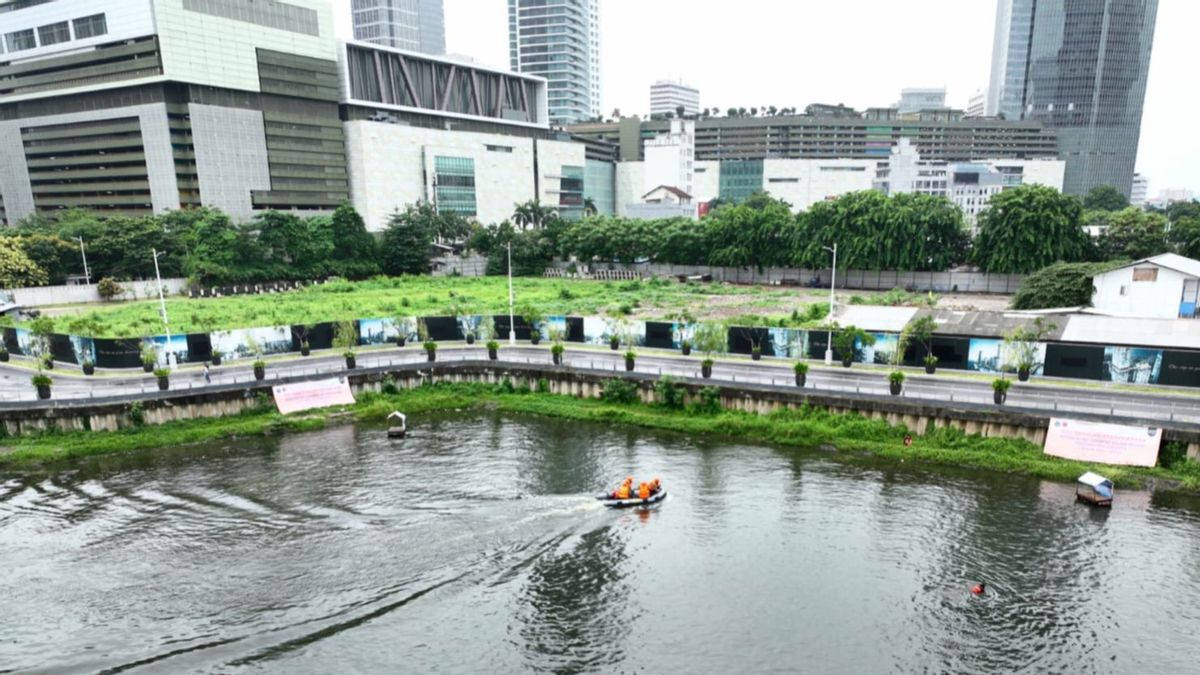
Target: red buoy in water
979,589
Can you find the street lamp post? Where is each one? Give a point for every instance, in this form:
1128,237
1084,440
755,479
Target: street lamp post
512,326
832,283
87,274
162,308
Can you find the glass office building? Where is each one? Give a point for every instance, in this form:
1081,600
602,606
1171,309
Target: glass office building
560,41
454,185
416,25
1079,67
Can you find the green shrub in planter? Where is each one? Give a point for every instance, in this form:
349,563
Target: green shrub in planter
800,368
164,378
630,357
493,349
896,382
89,367
556,350
931,362
42,381
260,369
430,350
1000,387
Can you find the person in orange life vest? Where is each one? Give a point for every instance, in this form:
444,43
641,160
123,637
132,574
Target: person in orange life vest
644,491
655,485
979,589
622,492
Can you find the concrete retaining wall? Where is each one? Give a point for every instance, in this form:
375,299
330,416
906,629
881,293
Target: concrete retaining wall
40,296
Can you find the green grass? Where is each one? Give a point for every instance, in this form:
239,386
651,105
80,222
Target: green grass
432,296
855,436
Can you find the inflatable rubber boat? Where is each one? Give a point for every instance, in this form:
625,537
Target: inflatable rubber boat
612,503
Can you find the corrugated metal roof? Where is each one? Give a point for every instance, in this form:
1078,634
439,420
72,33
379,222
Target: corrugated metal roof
1112,330
1171,261
874,317
991,324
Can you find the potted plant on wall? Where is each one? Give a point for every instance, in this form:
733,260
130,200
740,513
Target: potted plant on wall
921,330
5,322
896,382
630,358
1021,343
801,370
42,381
346,339
87,326
711,339
556,346
46,361
428,342
463,316
260,369
682,321
164,378
41,329
1000,387
215,357
617,326
534,318
149,358
305,330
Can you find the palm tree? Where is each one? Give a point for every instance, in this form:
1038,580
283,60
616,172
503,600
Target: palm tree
589,207
532,214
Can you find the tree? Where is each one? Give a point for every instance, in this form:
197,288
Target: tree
16,269
1060,285
679,111
1133,234
57,257
589,207
532,214
212,244
1029,227
1185,236
759,232
354,249
406,241
1105,198
921,330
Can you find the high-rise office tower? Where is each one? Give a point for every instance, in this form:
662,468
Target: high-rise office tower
417,25
1080,67
560,41
667,97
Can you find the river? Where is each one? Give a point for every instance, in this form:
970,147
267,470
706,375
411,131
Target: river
474,546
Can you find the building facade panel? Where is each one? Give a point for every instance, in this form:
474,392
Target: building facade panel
231,157
560,167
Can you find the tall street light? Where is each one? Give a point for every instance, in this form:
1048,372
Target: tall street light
162,308
512,327
832,283
87,274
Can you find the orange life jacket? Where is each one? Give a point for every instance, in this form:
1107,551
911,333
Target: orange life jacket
623,491
644,490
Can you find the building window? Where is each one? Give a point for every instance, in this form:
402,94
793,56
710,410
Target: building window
783,180
19,40
1145,274
54,33
499,148
90,26
454,185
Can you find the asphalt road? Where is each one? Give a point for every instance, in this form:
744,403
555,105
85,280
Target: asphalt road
1040,395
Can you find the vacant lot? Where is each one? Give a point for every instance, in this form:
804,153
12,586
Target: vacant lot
416,296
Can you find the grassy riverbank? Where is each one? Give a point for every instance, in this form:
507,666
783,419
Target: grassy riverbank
853,436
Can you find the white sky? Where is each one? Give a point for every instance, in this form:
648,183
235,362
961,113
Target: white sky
858,52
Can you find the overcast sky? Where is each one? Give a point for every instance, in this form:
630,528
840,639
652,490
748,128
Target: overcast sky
858,52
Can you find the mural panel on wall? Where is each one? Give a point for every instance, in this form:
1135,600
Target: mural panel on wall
177,347
1134,365
241,343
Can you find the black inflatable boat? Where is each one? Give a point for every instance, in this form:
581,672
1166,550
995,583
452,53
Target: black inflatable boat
612,503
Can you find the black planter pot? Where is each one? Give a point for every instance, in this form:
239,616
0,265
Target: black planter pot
846,362
534,339
148,367
628,363
614,345
89,369
686,349
351,362
43,391
4,356
305,351
801,378
470,339
557,359
999,397
1023,374
216,359
431,356
260,372
929,370
164,383
757,356
401,341
706,370
895,387
492,354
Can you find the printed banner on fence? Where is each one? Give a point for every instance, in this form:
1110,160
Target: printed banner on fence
291,398
1107,443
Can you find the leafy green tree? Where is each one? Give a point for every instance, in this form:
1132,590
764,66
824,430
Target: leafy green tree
58,257
1105,198
1029,227
1133,233
532,214
682,242
406,241
354,249
1177,211
16,268
1060,285
758,232
1185,236
294,247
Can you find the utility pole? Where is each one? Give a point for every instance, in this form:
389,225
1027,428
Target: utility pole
162,308
512,326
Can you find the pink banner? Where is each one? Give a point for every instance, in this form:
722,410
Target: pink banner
1106,443
316,394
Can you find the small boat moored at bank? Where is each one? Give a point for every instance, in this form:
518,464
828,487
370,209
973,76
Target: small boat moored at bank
397,425
1094,489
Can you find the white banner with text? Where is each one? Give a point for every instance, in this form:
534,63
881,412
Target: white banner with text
292,398
1107,443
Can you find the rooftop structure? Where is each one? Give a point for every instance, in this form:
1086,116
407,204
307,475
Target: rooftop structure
668,97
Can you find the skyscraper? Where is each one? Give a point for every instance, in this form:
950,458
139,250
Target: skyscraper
1078,66
560,41
418,25
667,96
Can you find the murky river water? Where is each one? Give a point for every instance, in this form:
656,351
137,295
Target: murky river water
474,546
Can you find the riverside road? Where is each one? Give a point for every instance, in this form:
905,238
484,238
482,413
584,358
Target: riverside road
1045,396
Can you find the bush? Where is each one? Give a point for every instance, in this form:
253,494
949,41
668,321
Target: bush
1001,385
543,386
108,288
800,368
669,393
617,390
896,377
1060,285
162,372
708,400
388,385
41,380
137,414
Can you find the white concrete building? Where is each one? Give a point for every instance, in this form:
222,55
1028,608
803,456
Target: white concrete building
976,104
916,99
667,96
1139,193
1163,287
670,157
664,201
